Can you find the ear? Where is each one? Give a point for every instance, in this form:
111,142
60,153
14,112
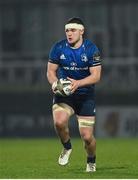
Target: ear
82,31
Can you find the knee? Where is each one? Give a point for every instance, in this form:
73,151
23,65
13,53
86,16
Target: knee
87,138
60,124
60,119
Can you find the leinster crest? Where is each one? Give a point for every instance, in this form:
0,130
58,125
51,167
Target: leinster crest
84,58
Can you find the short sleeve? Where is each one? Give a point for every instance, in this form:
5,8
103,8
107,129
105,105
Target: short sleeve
95,57
54,54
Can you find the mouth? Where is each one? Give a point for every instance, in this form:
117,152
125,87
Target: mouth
69,39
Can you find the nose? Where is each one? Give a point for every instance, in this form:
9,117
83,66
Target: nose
69,33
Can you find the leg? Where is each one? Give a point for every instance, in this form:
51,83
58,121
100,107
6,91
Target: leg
86,129
61,125
61,115
89,140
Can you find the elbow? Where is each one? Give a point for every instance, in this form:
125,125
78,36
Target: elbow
98,79
47,75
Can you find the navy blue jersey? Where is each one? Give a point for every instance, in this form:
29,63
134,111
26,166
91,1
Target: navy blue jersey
75,62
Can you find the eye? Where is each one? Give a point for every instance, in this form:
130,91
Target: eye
67,30
73,30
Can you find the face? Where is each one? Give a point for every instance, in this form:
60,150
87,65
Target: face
74,36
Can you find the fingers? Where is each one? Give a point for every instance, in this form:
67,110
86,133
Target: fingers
54,86
74,83
70,79
75,86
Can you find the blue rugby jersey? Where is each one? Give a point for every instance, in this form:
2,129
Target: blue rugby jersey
75,63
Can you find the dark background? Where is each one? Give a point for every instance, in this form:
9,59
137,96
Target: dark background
28,29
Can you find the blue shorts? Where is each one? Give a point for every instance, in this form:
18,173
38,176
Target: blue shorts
83,105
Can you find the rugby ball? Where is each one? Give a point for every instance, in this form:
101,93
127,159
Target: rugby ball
63,87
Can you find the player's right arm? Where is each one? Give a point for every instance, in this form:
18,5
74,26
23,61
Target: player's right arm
53,65
52,72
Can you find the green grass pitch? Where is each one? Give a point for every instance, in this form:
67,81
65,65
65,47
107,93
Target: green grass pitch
37,159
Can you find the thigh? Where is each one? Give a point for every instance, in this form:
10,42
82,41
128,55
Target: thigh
85,106
86,125
62,108
63,101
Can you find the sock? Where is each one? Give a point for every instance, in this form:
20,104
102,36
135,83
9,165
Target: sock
67,145
91,159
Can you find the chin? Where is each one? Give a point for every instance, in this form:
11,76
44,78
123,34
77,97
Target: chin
71,43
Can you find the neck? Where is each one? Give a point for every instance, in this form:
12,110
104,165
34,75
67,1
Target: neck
77,44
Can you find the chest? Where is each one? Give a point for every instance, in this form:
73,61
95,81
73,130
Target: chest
74,57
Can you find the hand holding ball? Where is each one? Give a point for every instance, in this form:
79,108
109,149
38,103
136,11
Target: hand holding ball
62,87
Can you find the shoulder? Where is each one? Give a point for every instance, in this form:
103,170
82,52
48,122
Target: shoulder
89,44
56,49
91,47
60,44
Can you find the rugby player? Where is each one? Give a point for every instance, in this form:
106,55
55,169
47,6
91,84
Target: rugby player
77,59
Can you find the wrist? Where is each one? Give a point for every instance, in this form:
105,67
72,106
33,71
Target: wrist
54,84
79,83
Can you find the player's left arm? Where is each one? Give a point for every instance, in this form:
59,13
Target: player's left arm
93,78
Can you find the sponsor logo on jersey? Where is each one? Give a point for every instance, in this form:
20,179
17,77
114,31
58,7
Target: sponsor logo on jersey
73,64
84,58
96,56
62,56
76,68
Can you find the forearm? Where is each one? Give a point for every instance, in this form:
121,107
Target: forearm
89,80
52,72
52,77
93,78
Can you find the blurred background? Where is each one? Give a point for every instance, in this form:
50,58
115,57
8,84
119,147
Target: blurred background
28,29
